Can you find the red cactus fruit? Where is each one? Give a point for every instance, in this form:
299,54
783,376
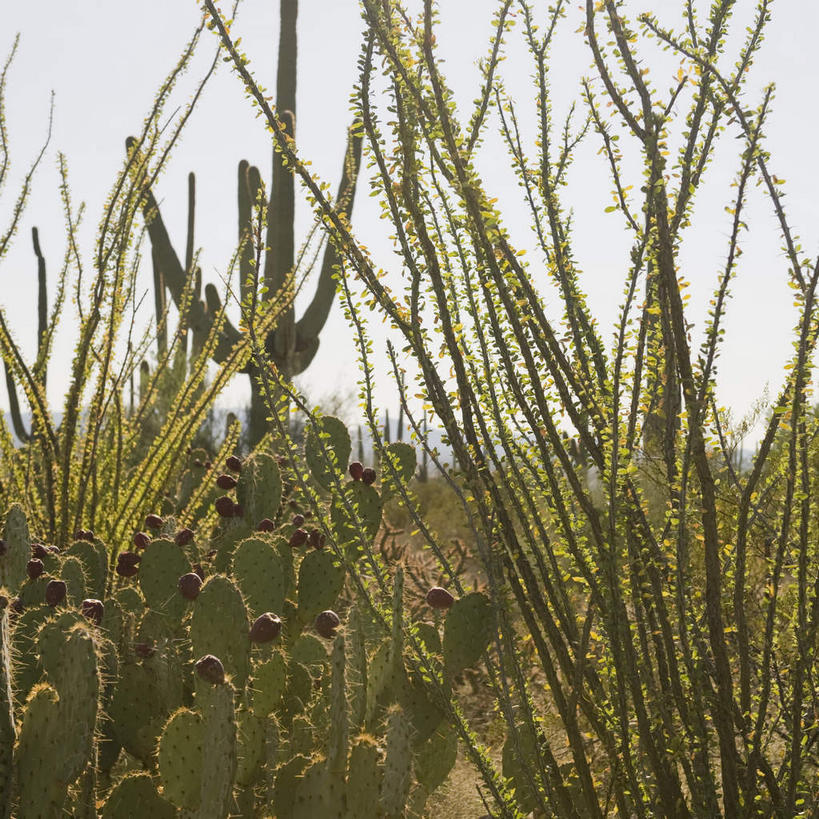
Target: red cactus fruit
93,610
55,592
298,538
190,585
266,525
439,598
224,506
266,627
197,568
53,550
356,469
234,463
141,540
183,537
34,568
211,670
39,551
316,539
127,564
144,650
298,520
17,606
226,482
154,521
326,624
368,475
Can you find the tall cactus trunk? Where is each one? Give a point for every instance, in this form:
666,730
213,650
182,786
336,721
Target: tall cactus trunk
294,342
159,305
281,218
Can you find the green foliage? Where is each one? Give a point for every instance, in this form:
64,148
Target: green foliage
642,591
209,743
112,456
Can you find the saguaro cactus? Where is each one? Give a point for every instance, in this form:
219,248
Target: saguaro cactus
294,342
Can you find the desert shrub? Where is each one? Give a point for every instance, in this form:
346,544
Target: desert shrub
670,596
118,446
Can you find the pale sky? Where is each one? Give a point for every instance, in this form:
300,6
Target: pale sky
104,61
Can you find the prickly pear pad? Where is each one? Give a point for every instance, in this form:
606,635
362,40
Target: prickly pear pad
95,563
259,489
318,793
249,747
268,684
321,579
436,757
363,778
397,765
257,568
327,449
137,711
402,456
73,574
38,750
7,726
368,506
467,631
13,562
219,626
136,795
180,758
163,563
215,702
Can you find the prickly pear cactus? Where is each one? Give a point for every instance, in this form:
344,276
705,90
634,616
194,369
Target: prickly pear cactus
136,794
215,703
17,552
468,629
364,503
104,677
364,777
162,564
402,458
261,575
94,561
8,731
56,739
327,450
321,579
181,748
219,626
397,765
259,489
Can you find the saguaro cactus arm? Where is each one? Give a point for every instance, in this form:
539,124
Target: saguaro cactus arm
310,324
175,276
40,369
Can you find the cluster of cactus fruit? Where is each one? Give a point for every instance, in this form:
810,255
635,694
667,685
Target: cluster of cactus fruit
207,672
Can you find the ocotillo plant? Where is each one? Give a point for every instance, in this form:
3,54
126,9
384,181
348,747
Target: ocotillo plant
98,465
673,619
293,343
